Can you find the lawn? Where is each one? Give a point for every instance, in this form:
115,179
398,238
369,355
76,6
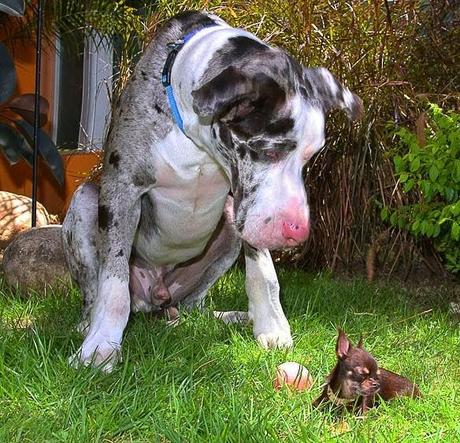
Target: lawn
208,382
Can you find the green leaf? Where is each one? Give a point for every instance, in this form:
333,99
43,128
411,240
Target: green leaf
426,187
429,229
384,213
403,177
455,231
12,7
434,172
14,145
7,75
398,162
415,164
47,150
455,209
409,185
450,194
394,218
424,227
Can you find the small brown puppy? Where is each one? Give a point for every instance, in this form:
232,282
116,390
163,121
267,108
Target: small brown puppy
357,379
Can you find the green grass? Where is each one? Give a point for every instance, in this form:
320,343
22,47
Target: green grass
208,382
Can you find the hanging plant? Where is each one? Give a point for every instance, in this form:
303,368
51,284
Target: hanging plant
17,118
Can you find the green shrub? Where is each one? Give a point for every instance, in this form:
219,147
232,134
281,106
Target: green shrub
429,172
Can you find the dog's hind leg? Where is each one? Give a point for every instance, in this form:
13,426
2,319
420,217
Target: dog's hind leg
79,231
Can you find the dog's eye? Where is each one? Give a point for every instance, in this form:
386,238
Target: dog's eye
358,377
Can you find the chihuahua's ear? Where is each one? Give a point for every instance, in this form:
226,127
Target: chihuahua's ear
343,345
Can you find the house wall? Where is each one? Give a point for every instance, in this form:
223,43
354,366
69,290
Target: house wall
78,167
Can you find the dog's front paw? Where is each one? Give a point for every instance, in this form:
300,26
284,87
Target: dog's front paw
97,352
275,340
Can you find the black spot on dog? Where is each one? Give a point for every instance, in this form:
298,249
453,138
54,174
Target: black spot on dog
270,98
240,47
254,155
191,20
241,150
158,109
144,75
250,251
267,220
253,189
280,127
306,91
120,253
225,136
69,237
115,224
148,216
105,217
114,159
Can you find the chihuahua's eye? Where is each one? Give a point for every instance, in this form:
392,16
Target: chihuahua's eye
359,377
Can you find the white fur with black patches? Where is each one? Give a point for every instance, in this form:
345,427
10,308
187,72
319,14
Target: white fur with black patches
251,121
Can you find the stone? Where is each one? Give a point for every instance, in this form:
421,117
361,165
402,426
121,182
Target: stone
35,260
16,216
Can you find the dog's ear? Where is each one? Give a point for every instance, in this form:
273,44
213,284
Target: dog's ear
343,345
324,87
232,95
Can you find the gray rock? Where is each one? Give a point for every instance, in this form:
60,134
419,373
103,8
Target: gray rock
35,260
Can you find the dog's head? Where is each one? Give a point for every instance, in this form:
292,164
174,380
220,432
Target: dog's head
266,115
358,372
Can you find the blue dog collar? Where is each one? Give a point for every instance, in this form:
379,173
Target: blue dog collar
174,49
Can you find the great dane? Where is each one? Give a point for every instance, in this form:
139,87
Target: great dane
204,155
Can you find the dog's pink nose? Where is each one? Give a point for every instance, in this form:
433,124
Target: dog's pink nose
295,233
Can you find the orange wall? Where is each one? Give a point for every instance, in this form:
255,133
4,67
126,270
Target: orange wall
18,179
23,53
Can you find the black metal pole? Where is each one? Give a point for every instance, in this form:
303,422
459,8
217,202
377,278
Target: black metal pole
38,59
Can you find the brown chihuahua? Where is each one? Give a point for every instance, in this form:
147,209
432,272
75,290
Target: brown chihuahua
357,379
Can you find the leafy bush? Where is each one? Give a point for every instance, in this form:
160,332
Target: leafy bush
430,171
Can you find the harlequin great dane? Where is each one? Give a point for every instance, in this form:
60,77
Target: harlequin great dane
204,156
